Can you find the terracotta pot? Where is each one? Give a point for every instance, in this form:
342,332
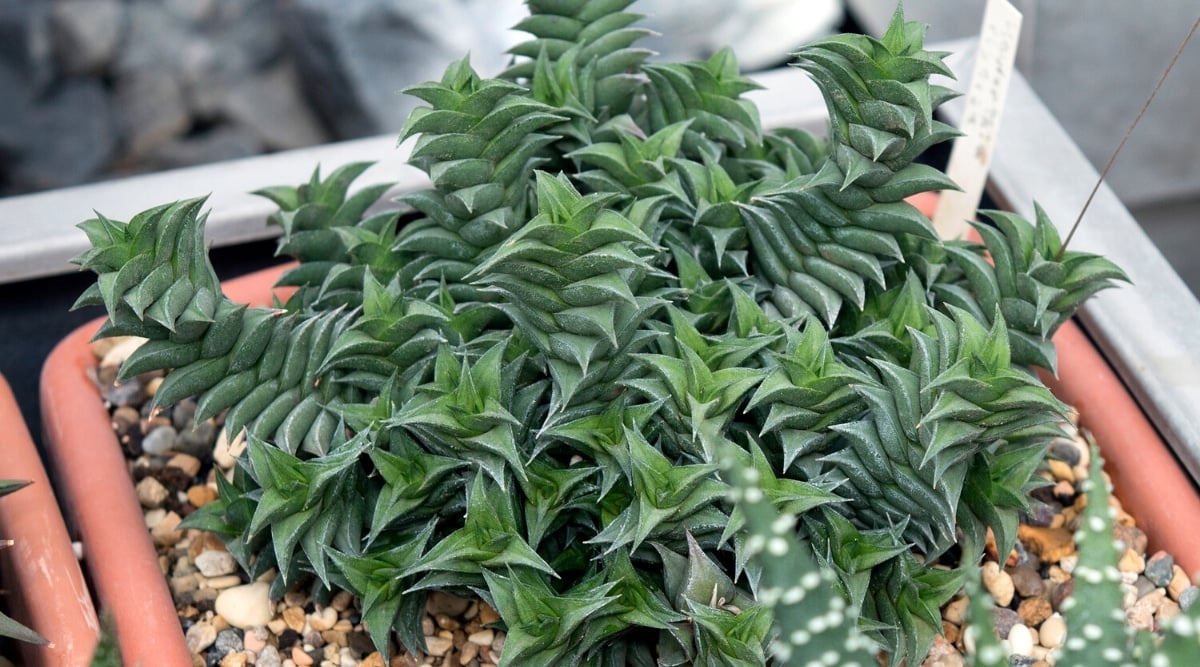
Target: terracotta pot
98,492
44,586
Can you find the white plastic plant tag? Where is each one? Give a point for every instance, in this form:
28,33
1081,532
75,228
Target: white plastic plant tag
972,153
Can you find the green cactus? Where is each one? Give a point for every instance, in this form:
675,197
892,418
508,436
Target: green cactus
539,386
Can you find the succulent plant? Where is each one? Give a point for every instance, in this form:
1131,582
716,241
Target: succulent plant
538,385
9,627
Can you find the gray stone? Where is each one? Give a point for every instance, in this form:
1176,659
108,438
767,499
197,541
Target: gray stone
229,640
218,144
87,33
270,104
355,56
1188,597
159,441
1160,568
151,106
1004,619
155,38
26,44
269,657
64,138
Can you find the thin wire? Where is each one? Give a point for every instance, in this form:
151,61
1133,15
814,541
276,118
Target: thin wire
1128,132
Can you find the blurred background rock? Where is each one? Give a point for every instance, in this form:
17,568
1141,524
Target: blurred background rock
92,89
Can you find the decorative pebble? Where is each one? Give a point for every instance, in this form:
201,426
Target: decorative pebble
300,657
1179,582
1160,568
235,659
438,646
1020,640
294,617
268,657
1050,544
1053,631
214,563
324,619
246,605
1131,561
201,495
1034,610
956,610
188,464
1027,581
445,603
228,641
482,638
998,583
226,451
200,636
159,441
151,493
1188,597
255,639
1004,619
166,531
221,582
120,351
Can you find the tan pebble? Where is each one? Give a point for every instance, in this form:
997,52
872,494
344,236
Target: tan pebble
472,610
301,658
238,659
1168,609
151,493
1060,470
950,631
215,562
1154,599
255,639
498,643
341,601
1063,490
1049,544
943,654
482,638
277,626
998,583
152,517
1020,640
1131,561
487,614
336,638
120,351
101,346
1053,631
187,463
200,636
426,626
373,660
226,451
1034,610
1129,595
446,623
152,385
469,651
198,661
201,495
343,625
445,634
956,610
438,646
221,582
165,532
1179,582
245,606
1056,575
220,623
294,617
1140,616
323,619
185,583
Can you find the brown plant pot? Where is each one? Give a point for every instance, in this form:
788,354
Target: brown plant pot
98,492
44,586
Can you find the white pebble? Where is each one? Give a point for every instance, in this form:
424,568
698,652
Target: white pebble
247,605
